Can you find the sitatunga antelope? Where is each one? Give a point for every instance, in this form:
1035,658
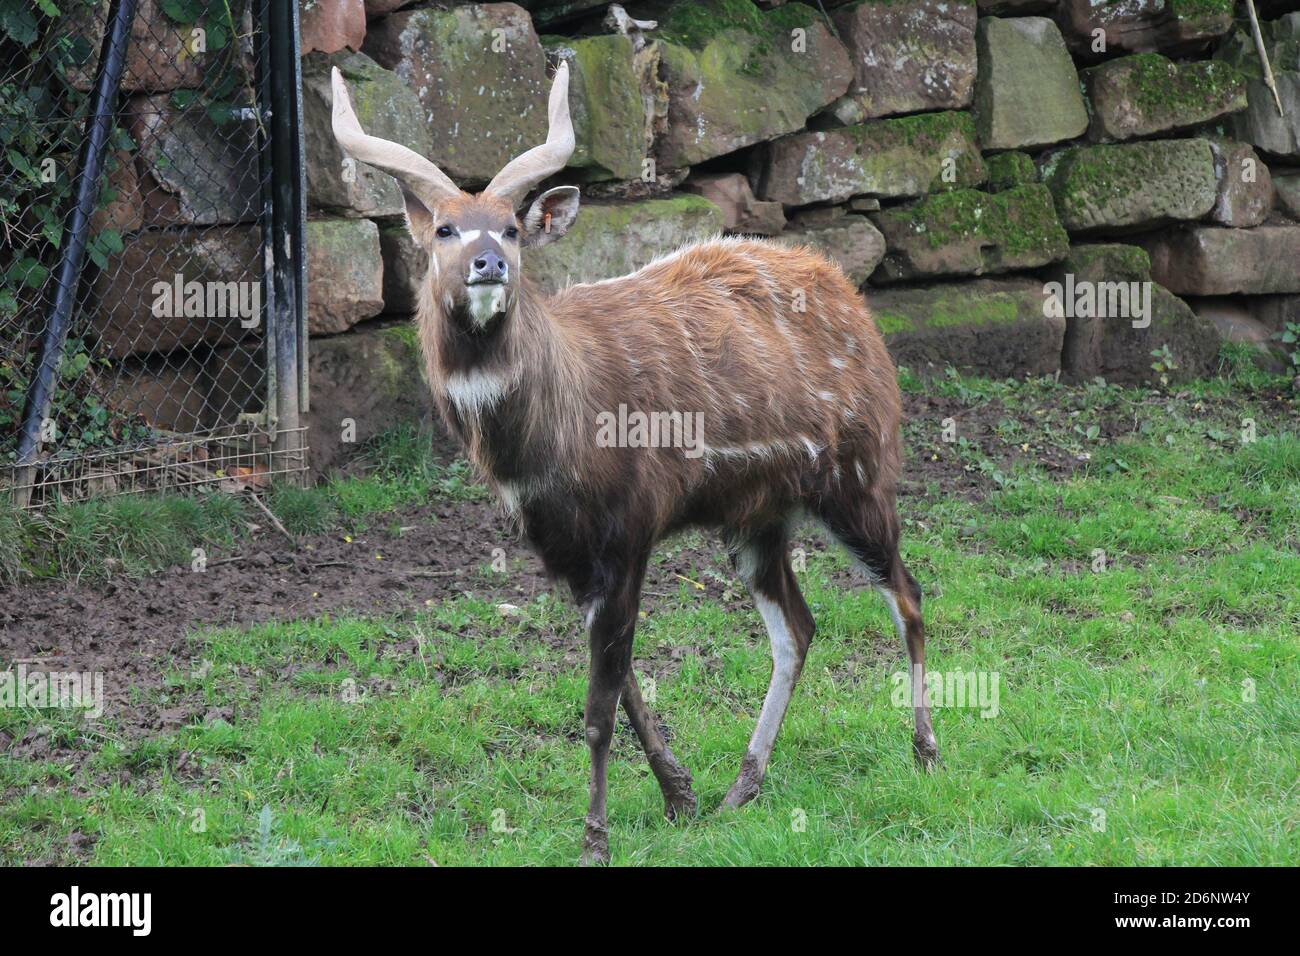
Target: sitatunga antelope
771,344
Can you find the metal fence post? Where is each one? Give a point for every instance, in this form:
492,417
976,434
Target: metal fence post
286,315
112,61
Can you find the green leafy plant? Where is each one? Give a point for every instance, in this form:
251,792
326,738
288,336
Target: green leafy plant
270,850
1290,339
227,87
1164,363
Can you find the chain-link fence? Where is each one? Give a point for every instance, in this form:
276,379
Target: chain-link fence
138,339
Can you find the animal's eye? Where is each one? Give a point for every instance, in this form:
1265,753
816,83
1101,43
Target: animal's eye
512,233
445,231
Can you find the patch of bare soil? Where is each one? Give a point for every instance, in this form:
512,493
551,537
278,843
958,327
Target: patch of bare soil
137,628
935,466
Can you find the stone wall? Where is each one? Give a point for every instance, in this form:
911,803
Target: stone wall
990,171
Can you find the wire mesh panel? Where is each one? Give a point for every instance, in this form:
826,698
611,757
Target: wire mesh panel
162,376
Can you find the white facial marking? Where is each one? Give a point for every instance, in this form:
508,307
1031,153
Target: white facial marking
496,236
476,390
469,236
486,300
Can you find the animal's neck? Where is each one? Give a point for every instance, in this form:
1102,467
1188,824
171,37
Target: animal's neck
512,393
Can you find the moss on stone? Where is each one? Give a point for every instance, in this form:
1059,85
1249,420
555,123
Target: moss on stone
1026,87
998,309
383,103
899,3
697,23
1183,93
924,129
397,361
1111,184
608,113
925,134
1010,169
1080,174
1016,221
1198,9
743,87
338,236
1108,261
950,311
614,239
405,334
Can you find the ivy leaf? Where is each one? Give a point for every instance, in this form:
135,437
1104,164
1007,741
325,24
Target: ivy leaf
17,21
48,8
52,230
184,11
20,163
122,139
218,36
221,113
28,272
110,241
102,245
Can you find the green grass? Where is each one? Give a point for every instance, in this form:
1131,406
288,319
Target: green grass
1148,713
128,534
139,534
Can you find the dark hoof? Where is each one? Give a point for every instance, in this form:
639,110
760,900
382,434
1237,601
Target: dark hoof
595,845
675,782
926,752
746,786
680,805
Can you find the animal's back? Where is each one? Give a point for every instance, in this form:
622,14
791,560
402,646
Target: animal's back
771,342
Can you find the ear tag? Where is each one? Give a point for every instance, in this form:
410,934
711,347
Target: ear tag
546,223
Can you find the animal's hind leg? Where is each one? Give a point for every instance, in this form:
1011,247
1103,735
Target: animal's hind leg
764,566
867,525
674,779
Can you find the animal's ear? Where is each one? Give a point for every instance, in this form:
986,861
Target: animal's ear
419,220
550,215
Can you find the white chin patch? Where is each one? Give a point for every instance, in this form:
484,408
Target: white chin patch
486,300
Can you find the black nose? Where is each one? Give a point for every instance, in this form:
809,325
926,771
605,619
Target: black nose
488,266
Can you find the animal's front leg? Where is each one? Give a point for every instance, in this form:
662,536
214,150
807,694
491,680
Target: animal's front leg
613,623
674,779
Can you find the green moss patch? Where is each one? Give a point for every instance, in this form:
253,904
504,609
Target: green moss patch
1148,93
971,232
1133,183
1010,169
932,137
697,23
